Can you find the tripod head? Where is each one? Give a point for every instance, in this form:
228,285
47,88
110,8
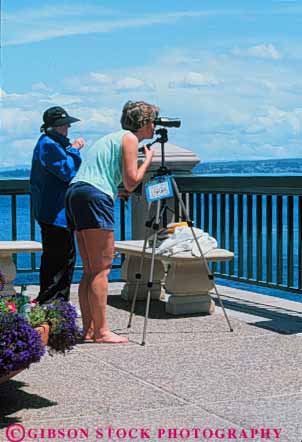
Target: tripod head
162,139
163,132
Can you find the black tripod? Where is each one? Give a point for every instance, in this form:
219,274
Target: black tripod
154,223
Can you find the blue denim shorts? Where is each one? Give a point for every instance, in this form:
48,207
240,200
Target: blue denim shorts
88,208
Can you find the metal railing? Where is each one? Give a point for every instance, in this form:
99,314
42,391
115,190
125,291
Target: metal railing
257,217
17,221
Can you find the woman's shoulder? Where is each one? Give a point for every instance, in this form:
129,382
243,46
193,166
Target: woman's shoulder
117,135
128,135
115,138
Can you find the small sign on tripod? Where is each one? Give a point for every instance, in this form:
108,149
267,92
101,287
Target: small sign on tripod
159,188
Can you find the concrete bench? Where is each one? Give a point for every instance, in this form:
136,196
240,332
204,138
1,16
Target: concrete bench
180,280
7,265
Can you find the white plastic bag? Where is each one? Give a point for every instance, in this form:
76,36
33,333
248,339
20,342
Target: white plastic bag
182,240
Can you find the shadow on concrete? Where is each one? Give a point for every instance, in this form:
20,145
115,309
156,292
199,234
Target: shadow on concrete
14,399
276,319
157,308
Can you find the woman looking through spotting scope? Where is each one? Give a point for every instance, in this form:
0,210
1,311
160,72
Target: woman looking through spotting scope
90,209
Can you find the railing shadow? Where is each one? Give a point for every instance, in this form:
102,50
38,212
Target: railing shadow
275,319
14,399
157,308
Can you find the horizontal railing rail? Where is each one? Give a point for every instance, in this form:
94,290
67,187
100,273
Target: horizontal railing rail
257,217
263,185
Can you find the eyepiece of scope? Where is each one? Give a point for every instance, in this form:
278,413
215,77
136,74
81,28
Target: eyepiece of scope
167,122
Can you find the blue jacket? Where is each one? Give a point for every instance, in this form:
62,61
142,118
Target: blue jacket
55,162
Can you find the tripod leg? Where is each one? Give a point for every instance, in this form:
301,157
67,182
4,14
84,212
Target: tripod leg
150,281
202,257
138,275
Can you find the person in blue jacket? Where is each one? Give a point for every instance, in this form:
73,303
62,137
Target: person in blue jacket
55,162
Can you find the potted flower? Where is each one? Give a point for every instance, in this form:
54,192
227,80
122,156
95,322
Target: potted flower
64,331
26,328
20,344
37,318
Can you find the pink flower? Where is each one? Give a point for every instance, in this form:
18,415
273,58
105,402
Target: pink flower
11,306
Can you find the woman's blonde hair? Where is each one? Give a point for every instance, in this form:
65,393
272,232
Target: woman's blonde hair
138,114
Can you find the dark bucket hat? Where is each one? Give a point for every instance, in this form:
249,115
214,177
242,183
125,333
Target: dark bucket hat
56,116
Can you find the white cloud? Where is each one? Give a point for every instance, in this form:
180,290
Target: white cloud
195,80
178,57
62,99
266,51
276,120
21,117
2,94
20,152
100,78
40,97
51,11
17,121
98,119
42,87
129,83
20,31
90,83
96,82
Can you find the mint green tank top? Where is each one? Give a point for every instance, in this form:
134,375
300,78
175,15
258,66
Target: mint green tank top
102,163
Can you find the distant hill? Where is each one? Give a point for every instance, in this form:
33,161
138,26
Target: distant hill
249,167
23,172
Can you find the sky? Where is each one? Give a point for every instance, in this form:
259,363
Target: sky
230,70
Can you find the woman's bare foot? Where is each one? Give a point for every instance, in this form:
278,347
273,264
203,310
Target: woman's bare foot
87,339
88,336
111,338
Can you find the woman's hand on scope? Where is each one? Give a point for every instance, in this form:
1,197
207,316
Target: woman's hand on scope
149,153
123,194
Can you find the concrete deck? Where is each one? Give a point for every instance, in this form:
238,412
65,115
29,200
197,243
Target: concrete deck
192,373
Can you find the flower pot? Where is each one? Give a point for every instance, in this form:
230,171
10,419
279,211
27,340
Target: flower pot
9,375
43,331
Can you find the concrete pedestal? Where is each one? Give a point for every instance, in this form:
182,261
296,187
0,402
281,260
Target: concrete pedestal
130,267
187,276
8,269
7,265
187,287
188,304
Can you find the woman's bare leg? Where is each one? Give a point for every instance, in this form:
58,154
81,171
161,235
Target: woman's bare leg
99,246
84,288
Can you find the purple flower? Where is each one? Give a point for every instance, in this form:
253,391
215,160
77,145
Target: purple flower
64,332
20,344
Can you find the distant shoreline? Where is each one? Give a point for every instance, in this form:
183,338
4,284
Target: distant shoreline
240,167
